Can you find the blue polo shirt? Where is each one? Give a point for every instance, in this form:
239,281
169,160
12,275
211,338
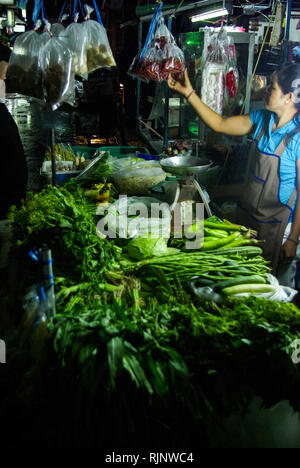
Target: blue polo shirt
270,141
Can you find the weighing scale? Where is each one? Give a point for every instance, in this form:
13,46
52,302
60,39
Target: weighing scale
184,188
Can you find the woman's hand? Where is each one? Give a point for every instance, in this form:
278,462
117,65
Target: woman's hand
287,252
180,84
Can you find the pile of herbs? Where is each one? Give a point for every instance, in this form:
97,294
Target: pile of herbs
63,220
161,345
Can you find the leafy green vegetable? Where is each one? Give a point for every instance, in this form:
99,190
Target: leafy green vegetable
64,221
147,247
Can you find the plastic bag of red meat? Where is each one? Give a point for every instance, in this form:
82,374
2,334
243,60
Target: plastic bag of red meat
160,55
219,72
232,74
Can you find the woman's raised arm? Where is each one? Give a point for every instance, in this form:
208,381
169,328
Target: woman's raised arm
235,125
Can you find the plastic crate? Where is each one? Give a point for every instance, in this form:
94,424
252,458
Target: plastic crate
123,151
117,151
60,177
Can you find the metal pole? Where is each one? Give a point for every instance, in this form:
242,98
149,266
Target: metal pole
138,86
166,113
249,71
48,279
53,158
287,29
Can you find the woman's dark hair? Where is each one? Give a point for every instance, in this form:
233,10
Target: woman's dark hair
288,79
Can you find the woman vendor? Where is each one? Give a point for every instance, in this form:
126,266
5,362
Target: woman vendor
270,203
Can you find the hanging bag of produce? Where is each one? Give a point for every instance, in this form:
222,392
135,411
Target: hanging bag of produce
172,57
23,73
160,55
214,72
56,61
232,74
98,52
143,64
46,35
76,37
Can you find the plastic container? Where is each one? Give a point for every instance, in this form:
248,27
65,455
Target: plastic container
60,177
147,157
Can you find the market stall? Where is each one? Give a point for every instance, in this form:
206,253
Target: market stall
141,323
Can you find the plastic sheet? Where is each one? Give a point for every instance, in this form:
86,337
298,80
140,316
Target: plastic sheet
131,217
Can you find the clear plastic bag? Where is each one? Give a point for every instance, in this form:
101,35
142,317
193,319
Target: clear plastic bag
232,73
77,43
160,55
56,61
280,293
131,217
24,74
57,28
100,168
98,51
173,62
220,76
138,178
44,38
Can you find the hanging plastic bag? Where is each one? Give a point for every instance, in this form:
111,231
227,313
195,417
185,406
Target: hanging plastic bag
23,73
232,74
220,76
56,61
98,51
57,28
214,72
160,55
76,37
173,62
46,35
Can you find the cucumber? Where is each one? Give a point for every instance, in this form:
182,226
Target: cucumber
254,279
251,288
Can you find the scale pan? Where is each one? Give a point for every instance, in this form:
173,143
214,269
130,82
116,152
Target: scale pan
185,165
